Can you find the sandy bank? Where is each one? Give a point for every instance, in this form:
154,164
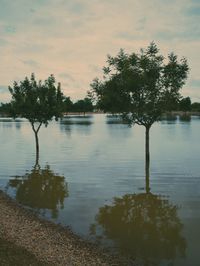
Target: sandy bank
50,243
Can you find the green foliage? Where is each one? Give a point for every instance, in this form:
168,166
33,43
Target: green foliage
5,109
140,86
37,101
80,106
67,105
185,104
195,107
83,106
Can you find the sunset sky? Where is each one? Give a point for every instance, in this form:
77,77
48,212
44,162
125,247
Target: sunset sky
71,39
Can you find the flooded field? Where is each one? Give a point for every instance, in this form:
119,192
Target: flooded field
91,177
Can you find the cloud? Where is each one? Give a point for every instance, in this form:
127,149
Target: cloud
3,89
95,69
195,1
31,63
4,94
10,29
77,7
192,33
127,36
195,83
3,42
71,38
193,11
66,76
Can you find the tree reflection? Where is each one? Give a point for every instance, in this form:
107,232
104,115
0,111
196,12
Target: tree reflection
142,226
185,117
41,189
82,124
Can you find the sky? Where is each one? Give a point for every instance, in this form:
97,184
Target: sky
72,38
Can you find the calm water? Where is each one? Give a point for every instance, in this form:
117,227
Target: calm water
91,178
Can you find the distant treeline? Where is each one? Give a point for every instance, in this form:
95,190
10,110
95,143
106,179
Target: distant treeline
80,106
85,105
185,105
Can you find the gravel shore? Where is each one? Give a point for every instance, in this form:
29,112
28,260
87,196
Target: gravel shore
49,243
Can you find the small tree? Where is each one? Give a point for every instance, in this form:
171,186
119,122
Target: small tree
140,86
5,109
36,101
67,105
185,104
195,107
83,106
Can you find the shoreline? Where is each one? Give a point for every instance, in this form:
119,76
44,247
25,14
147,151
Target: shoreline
50,243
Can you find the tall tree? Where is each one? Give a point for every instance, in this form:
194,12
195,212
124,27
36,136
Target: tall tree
36,101
140,86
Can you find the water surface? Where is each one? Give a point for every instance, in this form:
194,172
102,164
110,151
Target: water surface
91,177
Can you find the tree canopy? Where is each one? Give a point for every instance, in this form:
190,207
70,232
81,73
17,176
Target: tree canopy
195,107
185,104
142,85
37,101
5,109
80,106
67,105
83,106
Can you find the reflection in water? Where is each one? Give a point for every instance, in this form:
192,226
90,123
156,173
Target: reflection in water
169,119
18,125
78,116
115,125
8,122
81,123
6,119
99,166
142,226
41,189
145,227
115,119
185,118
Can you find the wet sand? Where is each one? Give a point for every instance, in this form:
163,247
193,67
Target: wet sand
50,243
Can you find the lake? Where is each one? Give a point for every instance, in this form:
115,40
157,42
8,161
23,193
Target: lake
91,177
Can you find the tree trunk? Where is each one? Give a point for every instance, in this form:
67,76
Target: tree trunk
147,175
147,158
36,141
37,147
